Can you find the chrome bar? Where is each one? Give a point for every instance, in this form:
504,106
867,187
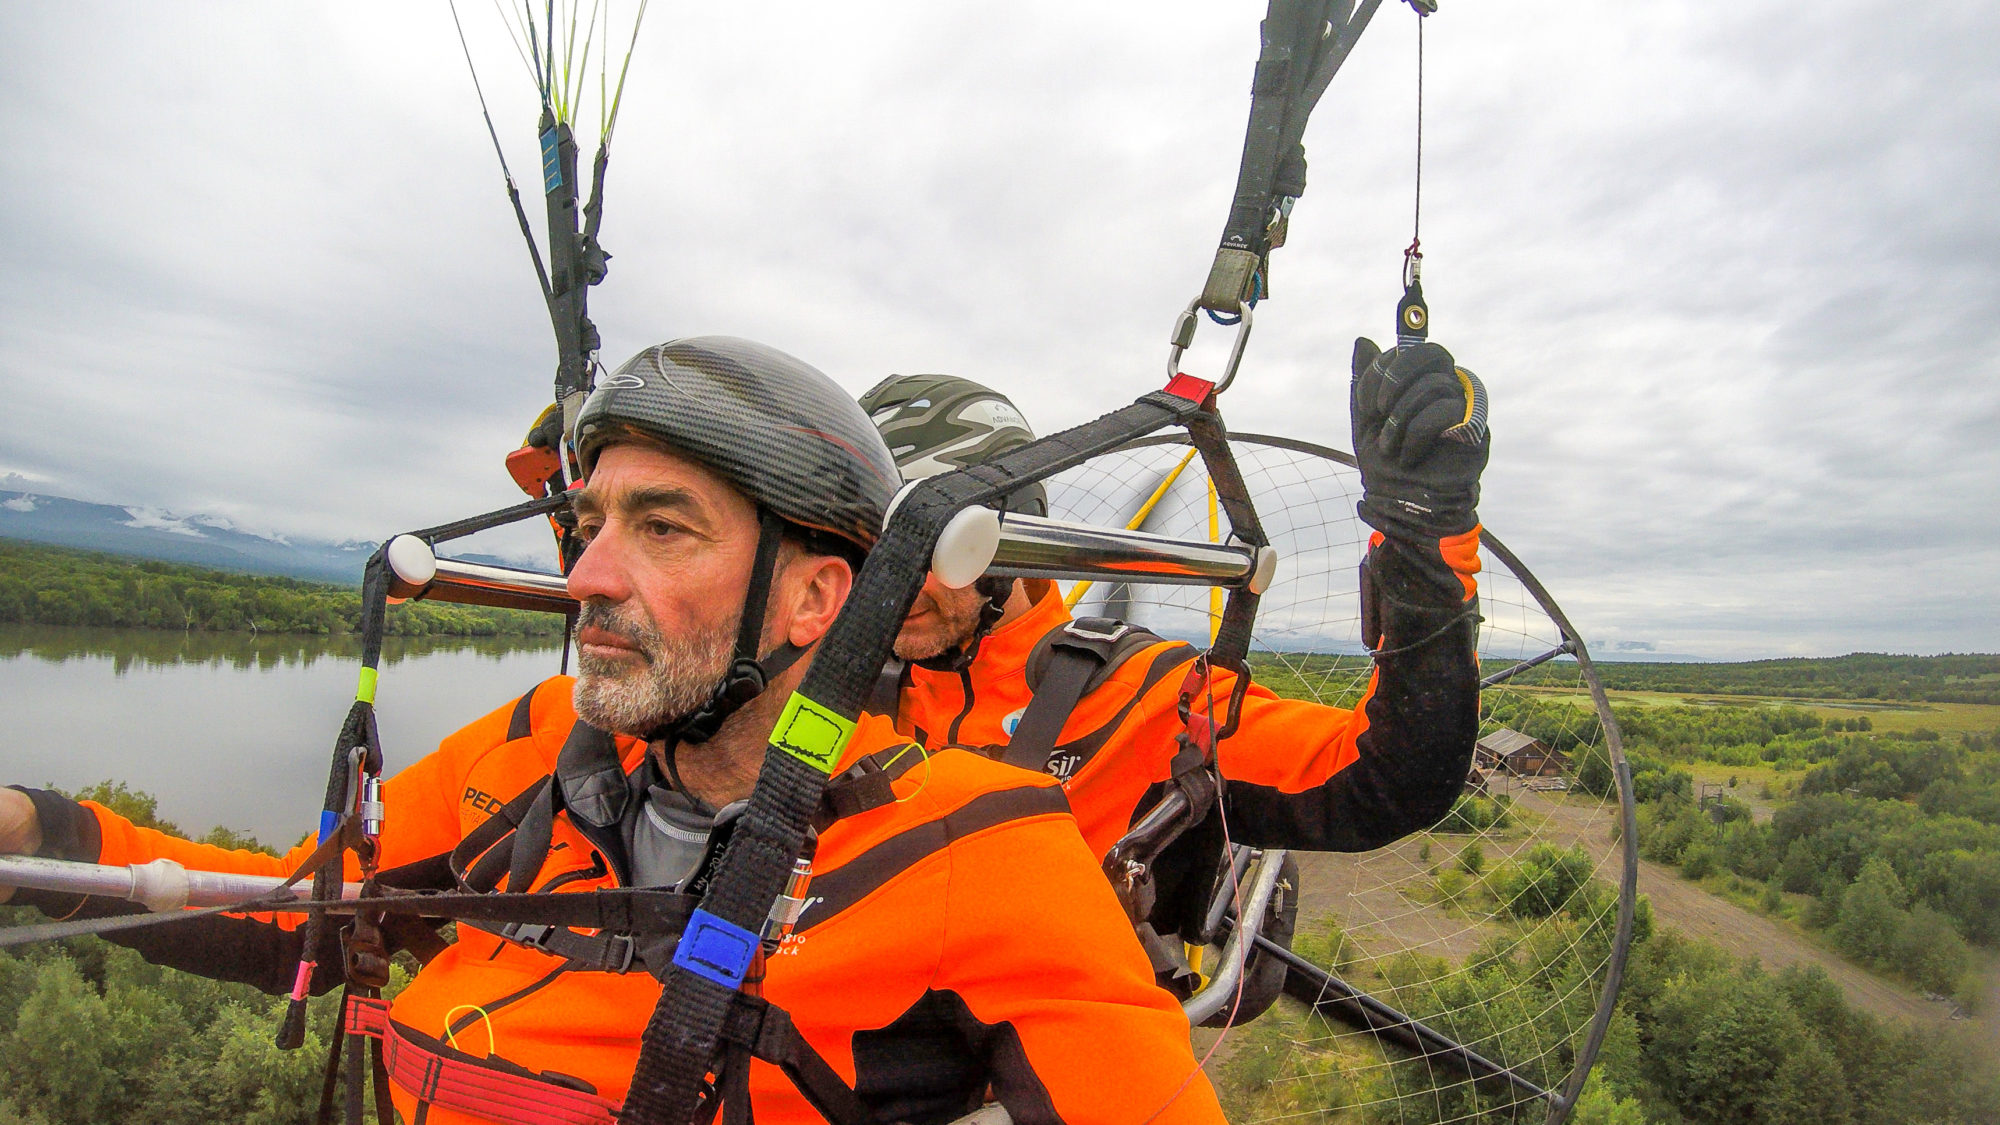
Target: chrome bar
415,571
1035,547
1223,987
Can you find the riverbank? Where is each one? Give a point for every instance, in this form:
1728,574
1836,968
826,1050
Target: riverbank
42,585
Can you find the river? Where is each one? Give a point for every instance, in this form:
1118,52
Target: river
228,728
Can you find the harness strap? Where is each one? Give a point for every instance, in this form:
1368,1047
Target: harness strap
767,1032
487,862
507,1093
602,953
1079,657
491,1088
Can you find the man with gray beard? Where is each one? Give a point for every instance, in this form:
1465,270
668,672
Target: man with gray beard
730,493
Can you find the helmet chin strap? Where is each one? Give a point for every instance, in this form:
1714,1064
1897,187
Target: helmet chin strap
959,657
747,677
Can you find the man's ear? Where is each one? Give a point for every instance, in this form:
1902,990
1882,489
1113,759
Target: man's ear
819,586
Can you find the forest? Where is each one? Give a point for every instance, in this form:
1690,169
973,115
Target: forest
1969,678
1888,848
42,585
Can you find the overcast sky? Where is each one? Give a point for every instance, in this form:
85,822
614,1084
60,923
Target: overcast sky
1732,272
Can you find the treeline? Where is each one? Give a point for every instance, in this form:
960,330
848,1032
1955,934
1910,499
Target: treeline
1969,678
42,585
1698,1037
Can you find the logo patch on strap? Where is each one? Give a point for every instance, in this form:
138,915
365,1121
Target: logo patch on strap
811,733
716,949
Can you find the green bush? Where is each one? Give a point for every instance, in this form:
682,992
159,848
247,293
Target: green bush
1476,814
1548,880
1472,858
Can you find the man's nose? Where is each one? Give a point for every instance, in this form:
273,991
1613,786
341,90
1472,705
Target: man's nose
600,574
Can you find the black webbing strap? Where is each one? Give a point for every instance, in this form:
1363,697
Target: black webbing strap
500,517
762,1030
357,755
357,749
680,1043
602,953
1302,45
478,861
1291,34
1233,637
1080,654
529,848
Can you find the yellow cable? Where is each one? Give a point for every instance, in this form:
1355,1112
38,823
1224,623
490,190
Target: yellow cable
451,1038
927,769
1214,592
1076,592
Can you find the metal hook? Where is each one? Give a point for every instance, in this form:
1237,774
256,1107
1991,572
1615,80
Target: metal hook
1184,330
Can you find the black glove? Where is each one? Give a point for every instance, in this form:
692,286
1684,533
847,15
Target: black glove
1420,436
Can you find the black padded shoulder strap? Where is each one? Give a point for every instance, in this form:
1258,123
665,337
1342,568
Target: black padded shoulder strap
1066,665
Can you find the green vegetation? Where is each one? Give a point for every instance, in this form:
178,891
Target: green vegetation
1699,1037
1894,840
1856,676
143,809
53,586
90,1032
1334,680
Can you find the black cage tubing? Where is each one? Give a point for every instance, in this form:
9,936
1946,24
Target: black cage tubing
682,1037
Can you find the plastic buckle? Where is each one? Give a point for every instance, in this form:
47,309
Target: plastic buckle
623,951
534,935
1082,630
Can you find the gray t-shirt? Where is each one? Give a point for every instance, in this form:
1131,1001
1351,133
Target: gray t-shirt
666,840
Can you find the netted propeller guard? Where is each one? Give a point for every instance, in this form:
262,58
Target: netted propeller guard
1505,928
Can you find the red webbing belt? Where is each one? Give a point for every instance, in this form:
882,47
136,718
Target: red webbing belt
468,1087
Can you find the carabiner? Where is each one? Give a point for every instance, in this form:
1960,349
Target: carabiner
1184,330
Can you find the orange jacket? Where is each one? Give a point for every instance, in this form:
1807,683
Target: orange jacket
1299,774
959,938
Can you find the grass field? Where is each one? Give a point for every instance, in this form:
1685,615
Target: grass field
1888,718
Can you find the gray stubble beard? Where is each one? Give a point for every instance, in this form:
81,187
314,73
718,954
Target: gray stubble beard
677,677
959,622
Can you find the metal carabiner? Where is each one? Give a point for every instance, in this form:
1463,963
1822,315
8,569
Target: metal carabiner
1184,330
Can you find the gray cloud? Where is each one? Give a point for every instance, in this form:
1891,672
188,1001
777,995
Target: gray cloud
1732,274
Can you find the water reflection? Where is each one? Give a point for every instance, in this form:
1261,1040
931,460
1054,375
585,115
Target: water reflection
130,648
229,728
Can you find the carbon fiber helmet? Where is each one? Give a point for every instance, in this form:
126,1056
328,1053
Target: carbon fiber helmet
778,430
937,423
772,425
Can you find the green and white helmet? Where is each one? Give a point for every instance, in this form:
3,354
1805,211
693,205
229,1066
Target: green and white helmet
938,423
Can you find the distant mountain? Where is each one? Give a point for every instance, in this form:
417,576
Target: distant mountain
208,541
195,540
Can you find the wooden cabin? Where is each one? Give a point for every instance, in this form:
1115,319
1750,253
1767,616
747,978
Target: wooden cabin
1518,755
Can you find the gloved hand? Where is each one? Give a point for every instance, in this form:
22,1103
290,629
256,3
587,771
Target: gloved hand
1420,436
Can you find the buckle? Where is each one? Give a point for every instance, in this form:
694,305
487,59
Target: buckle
622,950
531,934
1089,629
